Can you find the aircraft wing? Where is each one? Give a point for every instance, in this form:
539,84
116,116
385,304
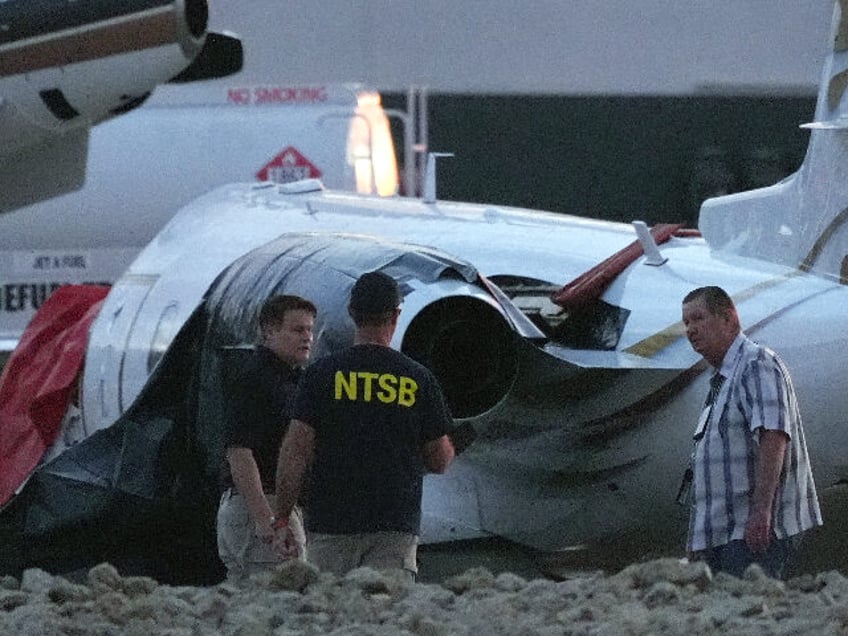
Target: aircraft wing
65,66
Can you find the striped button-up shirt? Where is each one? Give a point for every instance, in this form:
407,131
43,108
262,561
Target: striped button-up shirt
757,394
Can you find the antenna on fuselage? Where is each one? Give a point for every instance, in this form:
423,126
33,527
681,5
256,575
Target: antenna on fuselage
429,194
653,256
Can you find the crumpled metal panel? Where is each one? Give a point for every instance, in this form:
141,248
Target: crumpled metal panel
321,267
130,494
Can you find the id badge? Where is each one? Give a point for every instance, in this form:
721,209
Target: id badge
702,422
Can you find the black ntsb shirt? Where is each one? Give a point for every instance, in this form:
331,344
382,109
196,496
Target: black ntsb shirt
258,405
372,409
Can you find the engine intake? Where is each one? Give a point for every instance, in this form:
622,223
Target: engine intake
469,347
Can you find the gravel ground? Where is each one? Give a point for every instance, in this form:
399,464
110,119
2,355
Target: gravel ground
662,596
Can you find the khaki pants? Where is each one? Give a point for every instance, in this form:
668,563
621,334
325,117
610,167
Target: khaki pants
242,552
340,553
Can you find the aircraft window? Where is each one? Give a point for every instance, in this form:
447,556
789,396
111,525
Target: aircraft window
165,332
597,326
101,385
58,104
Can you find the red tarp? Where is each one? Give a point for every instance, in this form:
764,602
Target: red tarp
39,379
589,286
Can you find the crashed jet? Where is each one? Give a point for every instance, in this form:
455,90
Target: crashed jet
557,340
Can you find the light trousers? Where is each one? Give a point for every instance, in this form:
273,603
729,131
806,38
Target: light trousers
242,552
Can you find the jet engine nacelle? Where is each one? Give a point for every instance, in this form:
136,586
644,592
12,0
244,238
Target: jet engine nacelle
61,69
65,66
450,320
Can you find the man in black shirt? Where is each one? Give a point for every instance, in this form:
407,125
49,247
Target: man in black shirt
368,421
259,402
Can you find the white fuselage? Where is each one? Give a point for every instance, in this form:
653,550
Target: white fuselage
610,428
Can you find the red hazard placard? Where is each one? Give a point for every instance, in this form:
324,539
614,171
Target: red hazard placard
289,165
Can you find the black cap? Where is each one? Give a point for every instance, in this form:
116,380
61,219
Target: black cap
374,293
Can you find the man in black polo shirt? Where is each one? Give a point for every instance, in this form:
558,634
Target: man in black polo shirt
369,421
259,403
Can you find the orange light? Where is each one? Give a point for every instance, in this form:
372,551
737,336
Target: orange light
371,149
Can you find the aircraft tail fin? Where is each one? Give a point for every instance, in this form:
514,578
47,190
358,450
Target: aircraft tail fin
801,221
832,105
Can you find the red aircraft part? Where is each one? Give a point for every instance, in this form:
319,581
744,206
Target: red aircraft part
40,379
589,286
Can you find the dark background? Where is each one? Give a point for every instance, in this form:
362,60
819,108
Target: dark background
612,157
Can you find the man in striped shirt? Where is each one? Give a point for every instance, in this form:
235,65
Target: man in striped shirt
753,489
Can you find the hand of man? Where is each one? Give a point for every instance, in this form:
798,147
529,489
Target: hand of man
265,532
284,544
758,531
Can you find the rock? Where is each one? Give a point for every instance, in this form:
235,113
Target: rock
293,575
37,581
66,592
10,599
644,575
370,581
473,579
9,583
104,576
656,597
